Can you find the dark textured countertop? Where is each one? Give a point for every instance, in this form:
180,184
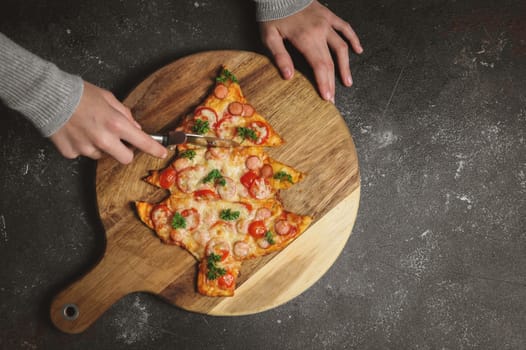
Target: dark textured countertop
437,258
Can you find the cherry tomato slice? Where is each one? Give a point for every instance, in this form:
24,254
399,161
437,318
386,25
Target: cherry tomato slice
260,189
257,229
167,177
226,281
248,178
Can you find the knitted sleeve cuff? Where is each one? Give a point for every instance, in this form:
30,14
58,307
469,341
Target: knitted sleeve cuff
268,10
38,89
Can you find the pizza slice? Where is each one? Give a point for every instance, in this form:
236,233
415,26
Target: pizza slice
226,114
221,234
225,173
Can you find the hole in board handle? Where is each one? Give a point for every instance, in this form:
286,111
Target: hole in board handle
70,312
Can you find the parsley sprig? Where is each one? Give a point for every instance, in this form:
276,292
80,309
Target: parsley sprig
178,221
269,237
229,215
215,176
213,270
189,153
226,75
247,133
283,176
201,127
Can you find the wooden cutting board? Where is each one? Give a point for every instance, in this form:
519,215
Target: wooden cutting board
318,142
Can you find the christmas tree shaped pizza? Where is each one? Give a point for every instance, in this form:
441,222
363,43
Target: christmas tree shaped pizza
224,204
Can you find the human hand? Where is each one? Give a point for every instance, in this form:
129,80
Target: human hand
101,124
314,31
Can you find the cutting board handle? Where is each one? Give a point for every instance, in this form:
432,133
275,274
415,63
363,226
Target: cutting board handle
84,301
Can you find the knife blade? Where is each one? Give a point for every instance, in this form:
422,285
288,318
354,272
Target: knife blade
180,137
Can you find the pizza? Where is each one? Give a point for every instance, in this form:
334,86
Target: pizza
226,114
223,205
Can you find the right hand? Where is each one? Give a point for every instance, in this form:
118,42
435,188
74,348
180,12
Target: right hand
99,125
315,32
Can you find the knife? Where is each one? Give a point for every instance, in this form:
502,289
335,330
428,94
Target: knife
179,137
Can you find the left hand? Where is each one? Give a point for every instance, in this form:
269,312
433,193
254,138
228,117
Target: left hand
314,31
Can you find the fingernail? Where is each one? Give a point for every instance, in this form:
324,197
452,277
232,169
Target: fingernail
287,73
328,97
349,80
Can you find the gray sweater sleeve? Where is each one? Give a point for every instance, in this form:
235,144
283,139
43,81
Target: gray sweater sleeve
37,88
268,10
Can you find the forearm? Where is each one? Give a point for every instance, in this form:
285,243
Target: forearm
268,10
37,88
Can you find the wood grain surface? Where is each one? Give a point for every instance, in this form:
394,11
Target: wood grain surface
317,142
